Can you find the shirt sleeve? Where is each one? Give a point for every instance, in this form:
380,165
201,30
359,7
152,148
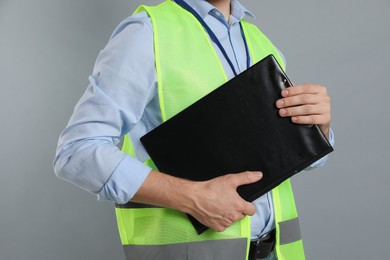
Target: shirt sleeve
121,86
322,161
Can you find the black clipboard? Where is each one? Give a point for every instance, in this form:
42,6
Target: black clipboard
237,128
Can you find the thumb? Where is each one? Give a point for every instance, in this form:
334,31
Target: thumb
247,177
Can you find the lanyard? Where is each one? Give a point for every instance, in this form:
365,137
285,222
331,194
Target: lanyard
214,38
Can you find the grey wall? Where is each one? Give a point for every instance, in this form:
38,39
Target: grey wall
47,50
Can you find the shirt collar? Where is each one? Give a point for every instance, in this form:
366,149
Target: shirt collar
239,11
203,8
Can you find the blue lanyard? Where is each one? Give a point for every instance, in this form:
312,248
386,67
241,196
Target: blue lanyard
214,38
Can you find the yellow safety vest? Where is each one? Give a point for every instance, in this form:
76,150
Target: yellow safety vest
188,68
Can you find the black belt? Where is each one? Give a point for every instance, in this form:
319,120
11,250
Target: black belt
262,247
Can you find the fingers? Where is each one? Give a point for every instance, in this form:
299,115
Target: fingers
233,217
224,221
229,219
306,104
249,209
305,110
238,179
302,99
304,89
310,120
243,178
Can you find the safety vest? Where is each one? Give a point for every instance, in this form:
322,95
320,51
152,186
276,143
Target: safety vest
188,68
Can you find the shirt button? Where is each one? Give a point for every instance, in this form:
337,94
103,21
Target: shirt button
218,13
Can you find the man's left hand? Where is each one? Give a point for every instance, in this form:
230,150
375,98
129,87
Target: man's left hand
306,104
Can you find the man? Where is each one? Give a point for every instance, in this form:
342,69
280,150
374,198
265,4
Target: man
149,71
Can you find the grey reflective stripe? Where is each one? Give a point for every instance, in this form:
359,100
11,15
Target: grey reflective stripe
204,250
289,231
135,205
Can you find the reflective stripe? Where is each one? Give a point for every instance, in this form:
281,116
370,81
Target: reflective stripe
289,231
204,250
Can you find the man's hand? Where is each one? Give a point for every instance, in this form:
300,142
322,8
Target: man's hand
306,104
216,203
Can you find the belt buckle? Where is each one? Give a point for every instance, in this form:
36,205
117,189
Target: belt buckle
262,247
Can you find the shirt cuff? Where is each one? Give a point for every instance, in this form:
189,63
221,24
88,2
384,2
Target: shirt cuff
331,137
124,181
323,160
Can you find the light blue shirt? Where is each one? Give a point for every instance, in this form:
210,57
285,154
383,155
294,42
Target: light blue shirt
122,98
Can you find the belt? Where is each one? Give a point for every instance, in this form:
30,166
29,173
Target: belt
262,247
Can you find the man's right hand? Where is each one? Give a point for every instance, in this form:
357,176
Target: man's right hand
215,203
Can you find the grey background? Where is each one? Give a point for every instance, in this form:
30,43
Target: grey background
47,51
